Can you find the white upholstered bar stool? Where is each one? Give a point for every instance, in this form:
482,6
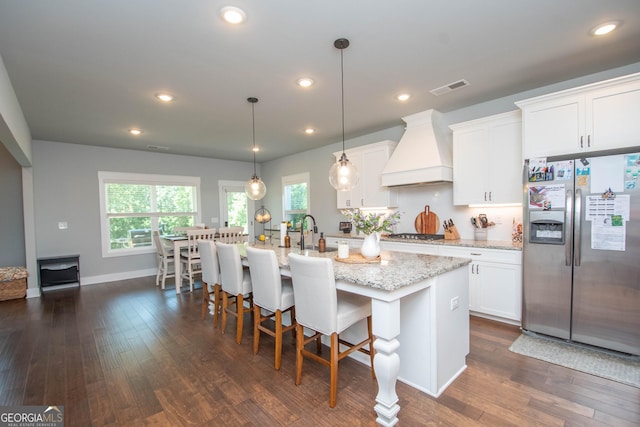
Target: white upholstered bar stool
326,311
236,286
165,260
272,294
190,257
210,279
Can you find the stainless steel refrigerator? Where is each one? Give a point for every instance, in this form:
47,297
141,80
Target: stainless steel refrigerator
581,248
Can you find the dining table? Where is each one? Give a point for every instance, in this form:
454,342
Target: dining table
421,338
177,241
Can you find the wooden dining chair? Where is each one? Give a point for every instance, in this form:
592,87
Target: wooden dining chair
230,235
272,294
210,279
236,286
166,258
190,257
325,310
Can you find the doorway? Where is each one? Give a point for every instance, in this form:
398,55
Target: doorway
236,209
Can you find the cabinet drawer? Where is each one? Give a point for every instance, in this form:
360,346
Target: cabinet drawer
488,255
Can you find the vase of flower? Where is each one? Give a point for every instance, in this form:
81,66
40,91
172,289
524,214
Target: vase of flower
371,246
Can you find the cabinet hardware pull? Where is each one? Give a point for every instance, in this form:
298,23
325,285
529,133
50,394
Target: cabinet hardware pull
581,142
485,196
589,141
472,272
475,253
477,268
489,195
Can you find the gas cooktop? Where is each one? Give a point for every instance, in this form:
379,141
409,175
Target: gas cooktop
417,236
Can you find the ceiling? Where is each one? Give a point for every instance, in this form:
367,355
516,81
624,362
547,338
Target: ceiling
87,71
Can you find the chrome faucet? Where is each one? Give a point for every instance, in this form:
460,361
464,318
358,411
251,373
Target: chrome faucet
314,230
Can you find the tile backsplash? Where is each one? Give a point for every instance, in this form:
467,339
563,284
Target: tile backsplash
439,197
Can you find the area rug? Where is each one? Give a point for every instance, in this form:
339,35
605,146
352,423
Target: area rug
620,368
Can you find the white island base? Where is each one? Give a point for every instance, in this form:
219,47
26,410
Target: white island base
422,336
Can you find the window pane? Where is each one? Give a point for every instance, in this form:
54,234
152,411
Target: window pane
128,198
167,224
129,232
175,198
296,197
237,207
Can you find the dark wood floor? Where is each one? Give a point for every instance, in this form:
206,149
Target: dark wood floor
128,353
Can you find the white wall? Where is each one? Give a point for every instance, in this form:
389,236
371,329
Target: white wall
66,189
12,252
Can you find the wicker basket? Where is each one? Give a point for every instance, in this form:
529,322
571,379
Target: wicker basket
13,283
13,289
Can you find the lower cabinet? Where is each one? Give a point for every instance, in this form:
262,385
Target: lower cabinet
495,282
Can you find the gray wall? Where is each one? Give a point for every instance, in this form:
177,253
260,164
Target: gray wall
66,189
12,252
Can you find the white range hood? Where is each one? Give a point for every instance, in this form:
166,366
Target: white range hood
424,153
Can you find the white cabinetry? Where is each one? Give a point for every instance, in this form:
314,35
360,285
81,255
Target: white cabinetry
495,282
599,116
487,160
370,160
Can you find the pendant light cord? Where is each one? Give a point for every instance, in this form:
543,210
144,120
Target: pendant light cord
342,91
253,127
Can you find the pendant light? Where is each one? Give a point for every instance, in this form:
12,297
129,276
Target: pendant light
254,188
343,175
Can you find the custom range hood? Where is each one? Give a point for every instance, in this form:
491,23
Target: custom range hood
424,153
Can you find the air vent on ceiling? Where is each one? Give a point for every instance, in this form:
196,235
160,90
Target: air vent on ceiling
450,87
157,147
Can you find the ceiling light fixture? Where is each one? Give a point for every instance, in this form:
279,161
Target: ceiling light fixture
254,188
343,175
305,82
165,97
135,132
233,15
309,131
606,28
403,97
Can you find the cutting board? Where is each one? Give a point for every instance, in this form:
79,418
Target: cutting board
427,222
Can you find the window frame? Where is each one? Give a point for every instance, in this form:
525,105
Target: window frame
298,178
106,177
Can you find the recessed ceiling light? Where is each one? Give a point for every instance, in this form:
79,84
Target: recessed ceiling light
309,131
165,97
135,132
605,28
255,149
403,97
305,82
233,15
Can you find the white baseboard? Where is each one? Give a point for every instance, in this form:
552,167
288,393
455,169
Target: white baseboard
103,278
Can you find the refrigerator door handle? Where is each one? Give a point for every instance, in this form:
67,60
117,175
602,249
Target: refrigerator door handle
578,227
568,216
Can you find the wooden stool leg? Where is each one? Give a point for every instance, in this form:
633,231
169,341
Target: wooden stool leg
372,351
256,330
216,303
299,346
333,394
205,299
278,339
240,320
225,305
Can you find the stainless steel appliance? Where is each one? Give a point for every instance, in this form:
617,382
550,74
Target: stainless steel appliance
581,249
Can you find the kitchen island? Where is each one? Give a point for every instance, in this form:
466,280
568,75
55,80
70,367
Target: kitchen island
420,319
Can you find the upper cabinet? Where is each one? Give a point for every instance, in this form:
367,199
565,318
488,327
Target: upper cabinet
369,193
595,117
487,160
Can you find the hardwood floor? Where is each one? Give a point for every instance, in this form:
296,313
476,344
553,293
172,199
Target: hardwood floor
128,353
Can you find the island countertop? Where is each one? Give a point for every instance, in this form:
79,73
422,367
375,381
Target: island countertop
394,271
470,243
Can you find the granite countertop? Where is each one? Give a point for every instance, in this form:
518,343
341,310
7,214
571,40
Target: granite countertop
470,243
395,270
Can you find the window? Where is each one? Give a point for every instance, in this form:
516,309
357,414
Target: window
295,197
132,205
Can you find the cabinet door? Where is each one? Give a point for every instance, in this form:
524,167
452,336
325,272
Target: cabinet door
498,290
372,164
613,117
554,127
504,167
470,166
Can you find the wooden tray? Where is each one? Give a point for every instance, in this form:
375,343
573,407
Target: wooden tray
357,259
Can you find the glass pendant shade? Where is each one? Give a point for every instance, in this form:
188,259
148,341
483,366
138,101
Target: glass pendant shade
343,175
255,188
